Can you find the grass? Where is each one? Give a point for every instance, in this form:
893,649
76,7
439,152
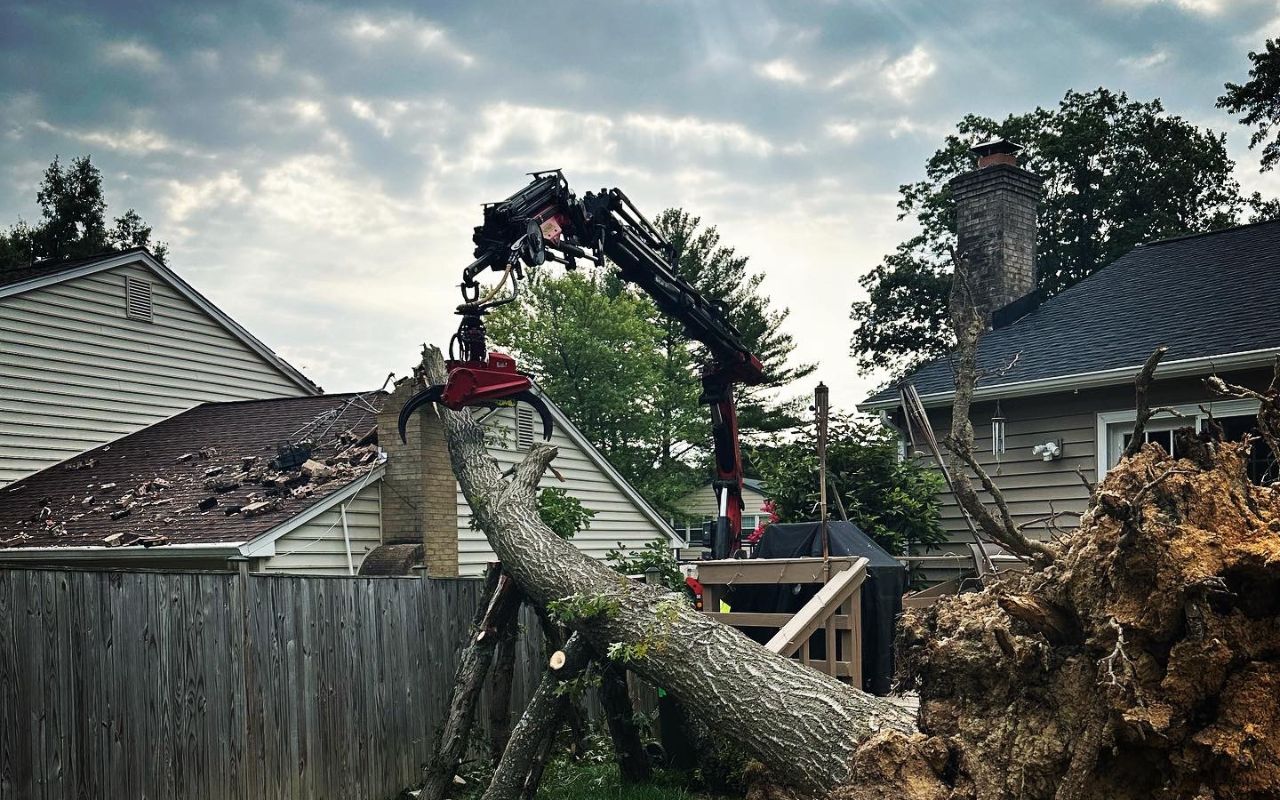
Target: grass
567,780
596,778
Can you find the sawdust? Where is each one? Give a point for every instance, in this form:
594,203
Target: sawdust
1145,663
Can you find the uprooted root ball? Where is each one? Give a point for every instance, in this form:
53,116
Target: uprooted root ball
1145,663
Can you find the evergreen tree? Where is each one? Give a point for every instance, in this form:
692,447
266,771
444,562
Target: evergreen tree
73,223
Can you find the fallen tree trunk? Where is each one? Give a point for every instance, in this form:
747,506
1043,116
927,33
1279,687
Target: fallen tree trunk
519,770
497,611
803,725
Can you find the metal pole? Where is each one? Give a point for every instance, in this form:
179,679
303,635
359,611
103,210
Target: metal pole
821,399
346,539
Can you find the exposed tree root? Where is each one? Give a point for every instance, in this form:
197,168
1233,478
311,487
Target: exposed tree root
1144,663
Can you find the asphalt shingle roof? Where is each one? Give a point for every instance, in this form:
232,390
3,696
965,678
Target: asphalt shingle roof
1203,295
162,473
11,275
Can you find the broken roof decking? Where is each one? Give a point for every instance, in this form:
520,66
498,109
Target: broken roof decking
181,462
1204,296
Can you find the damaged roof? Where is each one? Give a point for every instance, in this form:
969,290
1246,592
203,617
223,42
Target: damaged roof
1204,296
220,472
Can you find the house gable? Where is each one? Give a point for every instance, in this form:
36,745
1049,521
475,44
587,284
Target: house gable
622,516
82,365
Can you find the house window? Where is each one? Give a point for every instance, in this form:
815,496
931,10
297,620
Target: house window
137,299
1237,417
524,426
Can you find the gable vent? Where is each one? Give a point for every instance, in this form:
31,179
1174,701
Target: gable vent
524,426
137,299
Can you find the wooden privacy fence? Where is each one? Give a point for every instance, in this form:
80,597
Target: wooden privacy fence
119,684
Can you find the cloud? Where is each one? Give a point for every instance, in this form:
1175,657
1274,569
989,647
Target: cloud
782,71
903,75
538,137
699,134
899,77
184,199
1203,7
843,131
132,53
133,141
426,36
1151,60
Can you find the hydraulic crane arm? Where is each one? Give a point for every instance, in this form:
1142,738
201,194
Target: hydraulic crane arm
545,221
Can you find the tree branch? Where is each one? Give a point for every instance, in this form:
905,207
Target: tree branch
1268,405
1141,385
968,324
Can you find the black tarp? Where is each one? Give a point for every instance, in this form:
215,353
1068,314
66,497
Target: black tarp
881,593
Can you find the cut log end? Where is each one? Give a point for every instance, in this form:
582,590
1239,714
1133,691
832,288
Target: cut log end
557,660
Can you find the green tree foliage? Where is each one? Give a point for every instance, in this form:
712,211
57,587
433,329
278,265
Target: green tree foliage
653,555
563,513
720,273
628,376
596,353
895,501
73,221
1117,172
1257,101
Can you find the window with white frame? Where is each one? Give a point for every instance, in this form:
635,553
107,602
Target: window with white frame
691,528
1237,417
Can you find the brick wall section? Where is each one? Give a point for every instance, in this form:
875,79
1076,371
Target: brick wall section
419,497
996,231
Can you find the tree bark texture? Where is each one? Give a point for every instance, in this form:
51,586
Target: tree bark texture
497,613
504,660
519,770
803,725
633,761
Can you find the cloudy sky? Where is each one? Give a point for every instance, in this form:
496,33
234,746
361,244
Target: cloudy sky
317,169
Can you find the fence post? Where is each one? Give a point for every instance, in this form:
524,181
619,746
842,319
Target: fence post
241,565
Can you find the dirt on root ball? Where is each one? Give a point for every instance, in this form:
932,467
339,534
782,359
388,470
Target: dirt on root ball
1144,663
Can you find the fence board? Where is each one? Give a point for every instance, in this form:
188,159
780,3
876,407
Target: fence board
216,685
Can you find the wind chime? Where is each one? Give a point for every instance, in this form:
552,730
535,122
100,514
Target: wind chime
997,435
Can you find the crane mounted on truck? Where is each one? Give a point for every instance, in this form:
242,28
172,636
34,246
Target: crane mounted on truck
545,221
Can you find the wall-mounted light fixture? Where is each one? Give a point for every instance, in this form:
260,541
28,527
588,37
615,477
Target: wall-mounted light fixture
1048,451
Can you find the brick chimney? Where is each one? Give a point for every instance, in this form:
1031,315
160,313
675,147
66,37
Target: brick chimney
419,495
996,225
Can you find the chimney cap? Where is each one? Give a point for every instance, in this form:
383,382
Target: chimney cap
996,147
996,151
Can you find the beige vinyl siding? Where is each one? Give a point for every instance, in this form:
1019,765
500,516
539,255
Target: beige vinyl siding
701,505
617,519
75,372
317,546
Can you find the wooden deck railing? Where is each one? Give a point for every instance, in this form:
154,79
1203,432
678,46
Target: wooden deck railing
836,609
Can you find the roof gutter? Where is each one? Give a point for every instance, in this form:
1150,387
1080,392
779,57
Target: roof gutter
1089,380
127,552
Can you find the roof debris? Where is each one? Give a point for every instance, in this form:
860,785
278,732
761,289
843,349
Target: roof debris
174,487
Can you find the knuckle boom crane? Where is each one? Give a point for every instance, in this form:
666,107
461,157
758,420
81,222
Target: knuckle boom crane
545,221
